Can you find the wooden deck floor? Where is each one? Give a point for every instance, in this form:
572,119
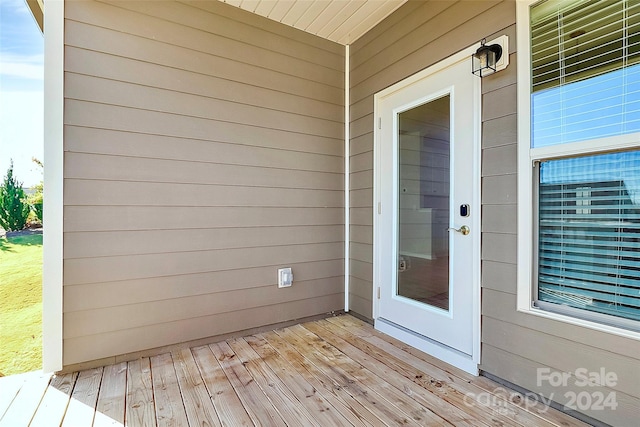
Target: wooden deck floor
333,372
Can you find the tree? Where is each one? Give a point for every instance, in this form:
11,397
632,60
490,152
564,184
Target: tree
13,209
36,199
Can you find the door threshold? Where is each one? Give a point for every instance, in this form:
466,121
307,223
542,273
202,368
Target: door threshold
446,354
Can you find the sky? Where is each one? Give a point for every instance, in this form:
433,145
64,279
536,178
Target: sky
21,85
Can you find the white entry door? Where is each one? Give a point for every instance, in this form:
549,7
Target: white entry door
427,224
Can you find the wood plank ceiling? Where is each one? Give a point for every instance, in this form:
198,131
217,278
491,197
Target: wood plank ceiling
341,21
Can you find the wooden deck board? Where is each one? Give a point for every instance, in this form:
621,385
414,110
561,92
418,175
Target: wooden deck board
351,375
259,407
338,371
169,406
443,386
140,407
289,407
395,393
364,353
227,403
543,414
447,385
82,406
198,405
322,408
322,381
110,408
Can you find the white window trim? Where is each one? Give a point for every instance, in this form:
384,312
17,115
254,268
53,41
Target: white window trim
526,157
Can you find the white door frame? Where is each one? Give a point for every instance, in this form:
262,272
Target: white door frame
462,361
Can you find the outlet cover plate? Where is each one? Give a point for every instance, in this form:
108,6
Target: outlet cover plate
285,277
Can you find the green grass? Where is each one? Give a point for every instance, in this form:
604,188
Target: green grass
20,304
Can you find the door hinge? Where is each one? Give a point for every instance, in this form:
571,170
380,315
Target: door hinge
379,122
378,292
379,208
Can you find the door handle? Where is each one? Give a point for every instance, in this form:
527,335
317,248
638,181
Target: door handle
464,230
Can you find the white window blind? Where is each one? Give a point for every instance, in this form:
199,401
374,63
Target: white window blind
585,59
589,233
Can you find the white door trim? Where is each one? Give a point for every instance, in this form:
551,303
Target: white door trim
469,364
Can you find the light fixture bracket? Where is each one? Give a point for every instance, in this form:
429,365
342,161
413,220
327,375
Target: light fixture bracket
490,57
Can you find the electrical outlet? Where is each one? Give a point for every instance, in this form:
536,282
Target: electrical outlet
285,277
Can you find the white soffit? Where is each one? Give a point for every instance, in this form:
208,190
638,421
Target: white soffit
341,21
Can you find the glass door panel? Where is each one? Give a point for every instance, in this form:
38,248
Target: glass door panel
423,203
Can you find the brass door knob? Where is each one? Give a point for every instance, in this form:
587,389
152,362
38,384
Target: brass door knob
464,230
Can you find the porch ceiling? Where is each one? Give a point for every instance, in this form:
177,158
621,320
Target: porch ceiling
341,21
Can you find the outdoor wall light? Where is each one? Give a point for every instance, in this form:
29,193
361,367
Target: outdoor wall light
484,61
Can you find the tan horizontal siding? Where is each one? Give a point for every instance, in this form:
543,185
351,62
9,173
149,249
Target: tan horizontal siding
112,92
626,348
361,306
360,198
109,218
361,144
499,218
286,40
361,234
114,243
500,189
179,26
127,267
499,276
112,294
128,70
361,162
126,168
368,43
500,102
93,115
120,44
128,145
500,131
361,108
499,247
362,270
121,317
203,151
362,252
92,347
523,371
361,180
534,345
119,193
410,34
361,126
466,21
500,160
362,216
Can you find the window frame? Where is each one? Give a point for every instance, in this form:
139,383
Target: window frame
527,183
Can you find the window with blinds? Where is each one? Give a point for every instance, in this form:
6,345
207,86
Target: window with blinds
589,233
585,60
585,87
